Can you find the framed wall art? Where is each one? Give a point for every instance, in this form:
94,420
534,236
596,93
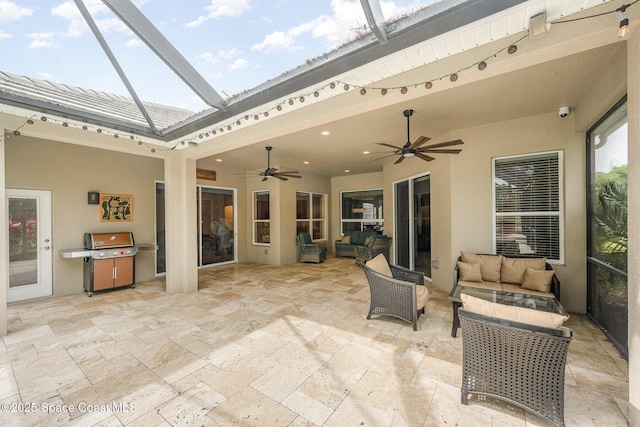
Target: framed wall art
116,207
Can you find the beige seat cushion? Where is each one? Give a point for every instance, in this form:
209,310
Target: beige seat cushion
422,296
380,265
469,271
513,313
537,280
513,269
482,285
489,265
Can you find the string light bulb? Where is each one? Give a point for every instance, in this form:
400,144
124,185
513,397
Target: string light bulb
624,22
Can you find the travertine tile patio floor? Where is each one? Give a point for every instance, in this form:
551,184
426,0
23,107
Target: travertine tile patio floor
265,346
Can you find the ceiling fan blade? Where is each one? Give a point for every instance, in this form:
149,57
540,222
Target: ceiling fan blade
424,157
399,160
389,145
418,142
288,172
446,144
384,157
264,179
281,178
442,150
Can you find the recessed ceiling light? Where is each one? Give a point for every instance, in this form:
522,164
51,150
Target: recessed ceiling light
325,133
218,160
347,171
305,162
365,152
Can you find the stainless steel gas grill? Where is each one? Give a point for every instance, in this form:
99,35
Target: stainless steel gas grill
111,261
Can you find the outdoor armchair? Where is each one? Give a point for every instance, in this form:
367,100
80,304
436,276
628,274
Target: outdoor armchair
376,245
395,291
309,251
518,363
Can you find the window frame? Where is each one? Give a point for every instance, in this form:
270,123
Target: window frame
312,214
549,213
257,221
378,221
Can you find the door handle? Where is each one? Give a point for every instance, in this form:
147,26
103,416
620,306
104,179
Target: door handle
46,248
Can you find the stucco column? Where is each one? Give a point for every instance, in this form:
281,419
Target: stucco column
181,224
633,113
4,256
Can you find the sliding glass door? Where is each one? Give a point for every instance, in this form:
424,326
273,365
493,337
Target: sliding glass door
412,205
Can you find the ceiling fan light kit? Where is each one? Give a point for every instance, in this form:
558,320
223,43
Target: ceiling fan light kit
270,172
417,149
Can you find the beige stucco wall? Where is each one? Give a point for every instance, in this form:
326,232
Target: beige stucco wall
282,202
70,172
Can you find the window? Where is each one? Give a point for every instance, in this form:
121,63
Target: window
310,215
527,209
261,224
362,210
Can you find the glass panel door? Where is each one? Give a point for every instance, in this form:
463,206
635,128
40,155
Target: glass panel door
413,224
30,261
217,225
607,301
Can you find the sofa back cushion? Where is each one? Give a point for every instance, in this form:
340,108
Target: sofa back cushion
469,272
513,269
537,280
513,313
489,265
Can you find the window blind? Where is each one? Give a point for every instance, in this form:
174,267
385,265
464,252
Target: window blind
527,205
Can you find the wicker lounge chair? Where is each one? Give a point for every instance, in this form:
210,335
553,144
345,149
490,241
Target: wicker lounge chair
309,251
377,245
518,363
395,291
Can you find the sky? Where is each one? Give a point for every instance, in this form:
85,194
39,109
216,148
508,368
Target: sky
234,44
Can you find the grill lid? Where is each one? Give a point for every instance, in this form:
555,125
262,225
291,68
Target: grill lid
108,240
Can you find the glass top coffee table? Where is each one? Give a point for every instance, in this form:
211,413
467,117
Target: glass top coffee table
534,302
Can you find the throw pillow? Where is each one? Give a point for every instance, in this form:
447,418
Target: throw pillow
345,240
469,272
537,280
513,313
380,265
513,269
366,241
489,265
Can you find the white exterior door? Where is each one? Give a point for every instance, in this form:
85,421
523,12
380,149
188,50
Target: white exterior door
30,246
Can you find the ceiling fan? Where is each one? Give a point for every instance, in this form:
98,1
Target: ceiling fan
416,149
270,172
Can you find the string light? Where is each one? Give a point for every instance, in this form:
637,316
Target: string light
623,26
347,86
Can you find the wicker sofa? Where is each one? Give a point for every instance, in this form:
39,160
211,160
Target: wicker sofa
519,363
523,274
346,246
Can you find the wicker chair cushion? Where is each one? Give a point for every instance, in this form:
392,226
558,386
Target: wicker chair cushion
380,265
537,280
469,271
489,265
513,269
516,314
422,296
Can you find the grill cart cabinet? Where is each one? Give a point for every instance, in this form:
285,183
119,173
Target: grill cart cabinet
108,273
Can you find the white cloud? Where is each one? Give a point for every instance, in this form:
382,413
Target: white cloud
239,64
277,42
220,8
42,40
77,25
10,11
134,43
4,36
228,54
208,57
